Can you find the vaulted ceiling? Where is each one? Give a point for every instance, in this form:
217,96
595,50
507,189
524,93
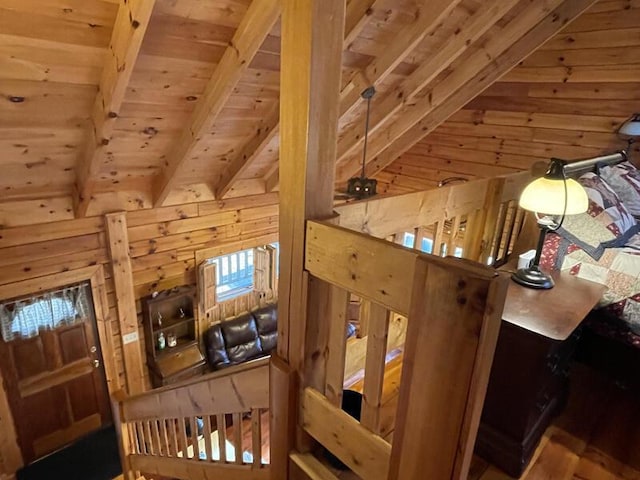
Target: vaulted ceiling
108,105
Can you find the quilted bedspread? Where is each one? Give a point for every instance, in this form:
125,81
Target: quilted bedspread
617,268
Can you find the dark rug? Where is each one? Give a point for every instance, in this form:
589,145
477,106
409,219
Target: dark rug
94,457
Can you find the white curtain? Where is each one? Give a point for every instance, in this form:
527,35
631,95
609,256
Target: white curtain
26,317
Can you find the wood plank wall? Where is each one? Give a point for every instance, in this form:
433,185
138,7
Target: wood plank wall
163,244
565,100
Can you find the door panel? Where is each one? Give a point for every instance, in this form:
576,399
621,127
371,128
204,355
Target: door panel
29,358
73,344
82,397
56,387
51,401
51,442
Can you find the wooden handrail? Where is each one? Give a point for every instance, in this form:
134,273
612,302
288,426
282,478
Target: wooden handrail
385,215
245,366
453,307
195,429
479,208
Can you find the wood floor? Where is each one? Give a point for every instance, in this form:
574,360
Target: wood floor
597,437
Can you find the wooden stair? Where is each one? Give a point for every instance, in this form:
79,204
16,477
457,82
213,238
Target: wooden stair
183,431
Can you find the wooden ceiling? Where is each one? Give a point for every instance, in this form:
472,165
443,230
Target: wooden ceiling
567,100
111,105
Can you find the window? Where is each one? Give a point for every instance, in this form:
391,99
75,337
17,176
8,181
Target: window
234,274
25,318
427,245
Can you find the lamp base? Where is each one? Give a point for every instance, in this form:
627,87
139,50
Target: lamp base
532,277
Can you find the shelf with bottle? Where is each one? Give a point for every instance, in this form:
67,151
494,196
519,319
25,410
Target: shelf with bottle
180,344
170,331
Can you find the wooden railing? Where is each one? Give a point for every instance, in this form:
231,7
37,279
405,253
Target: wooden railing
209,427
482,217
453,308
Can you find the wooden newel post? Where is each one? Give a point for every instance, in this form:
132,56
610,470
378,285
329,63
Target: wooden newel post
311,63
124,438
454,321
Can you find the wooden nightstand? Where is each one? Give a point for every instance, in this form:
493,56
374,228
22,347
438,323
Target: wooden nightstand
529,377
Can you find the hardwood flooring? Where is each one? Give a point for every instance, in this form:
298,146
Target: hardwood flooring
597,437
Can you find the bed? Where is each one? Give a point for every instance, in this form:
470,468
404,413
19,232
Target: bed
603,245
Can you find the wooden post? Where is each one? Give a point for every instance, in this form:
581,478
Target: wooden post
374,367
453,329
363,318
123,434
491,211
116,225
310,76
453,236
312,38
418,235
337,348
437,237
281,416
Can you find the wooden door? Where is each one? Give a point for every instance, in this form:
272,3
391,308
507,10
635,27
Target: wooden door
56,387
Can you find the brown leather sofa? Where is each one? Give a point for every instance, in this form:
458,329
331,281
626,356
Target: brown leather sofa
248,336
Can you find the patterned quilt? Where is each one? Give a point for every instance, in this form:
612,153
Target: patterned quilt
617,268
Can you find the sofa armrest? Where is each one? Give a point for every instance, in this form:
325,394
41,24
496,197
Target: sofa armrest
215,348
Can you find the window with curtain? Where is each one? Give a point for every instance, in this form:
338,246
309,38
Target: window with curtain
26,317
234,274
241,272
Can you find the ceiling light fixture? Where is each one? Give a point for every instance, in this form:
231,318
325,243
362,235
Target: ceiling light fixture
363,187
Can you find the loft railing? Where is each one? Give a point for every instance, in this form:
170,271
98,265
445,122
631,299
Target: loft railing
480,217
209,427
453,308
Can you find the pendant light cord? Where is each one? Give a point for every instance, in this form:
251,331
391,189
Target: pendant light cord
368,95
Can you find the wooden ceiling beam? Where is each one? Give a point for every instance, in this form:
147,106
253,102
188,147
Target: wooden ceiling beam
253,29
264,134
531,28
128,32
468,33
27,193
359,12
428,17
272,179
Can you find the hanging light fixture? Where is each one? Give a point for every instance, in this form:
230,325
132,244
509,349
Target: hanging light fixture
363,187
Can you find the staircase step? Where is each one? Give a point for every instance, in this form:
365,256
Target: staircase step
312,467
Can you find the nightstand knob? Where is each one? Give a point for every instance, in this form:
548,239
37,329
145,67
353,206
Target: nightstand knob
553,362
543,403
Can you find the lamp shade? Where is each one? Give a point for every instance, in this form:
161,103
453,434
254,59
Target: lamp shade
547,196
631,127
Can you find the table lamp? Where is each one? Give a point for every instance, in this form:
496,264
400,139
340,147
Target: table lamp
549,197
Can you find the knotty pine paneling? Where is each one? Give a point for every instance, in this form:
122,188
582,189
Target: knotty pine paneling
565,100
163,243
